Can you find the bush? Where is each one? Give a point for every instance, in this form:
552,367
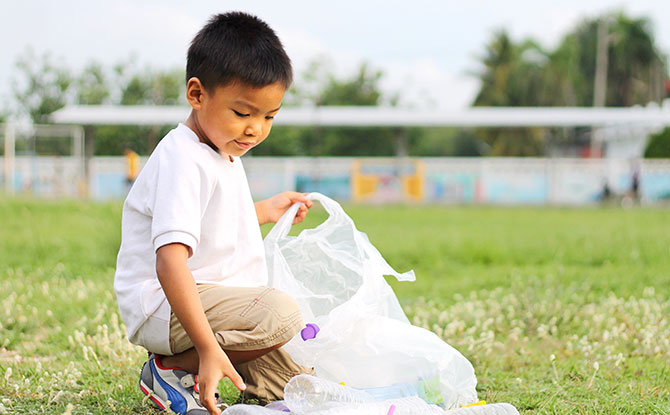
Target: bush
659,145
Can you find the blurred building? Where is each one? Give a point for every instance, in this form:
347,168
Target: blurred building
620,135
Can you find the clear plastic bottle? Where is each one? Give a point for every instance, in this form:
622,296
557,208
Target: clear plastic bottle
243,409
397,390
305,393
426,389
488,409
278,406
403,406
412,405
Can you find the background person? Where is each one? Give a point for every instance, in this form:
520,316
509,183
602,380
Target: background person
132,166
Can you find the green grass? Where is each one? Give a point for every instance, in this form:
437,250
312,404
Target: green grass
561,311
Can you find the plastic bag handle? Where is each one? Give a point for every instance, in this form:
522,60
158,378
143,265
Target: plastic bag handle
332,207
283,225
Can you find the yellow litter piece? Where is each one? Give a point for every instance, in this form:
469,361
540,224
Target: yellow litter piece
475,404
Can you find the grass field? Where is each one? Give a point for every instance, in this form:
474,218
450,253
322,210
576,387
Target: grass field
561,311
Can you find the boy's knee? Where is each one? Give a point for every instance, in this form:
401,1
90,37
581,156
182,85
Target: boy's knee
284,306
265,318
282,317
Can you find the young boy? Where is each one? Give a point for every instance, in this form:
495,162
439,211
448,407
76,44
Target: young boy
191,268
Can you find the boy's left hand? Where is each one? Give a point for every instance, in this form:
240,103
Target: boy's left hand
270,210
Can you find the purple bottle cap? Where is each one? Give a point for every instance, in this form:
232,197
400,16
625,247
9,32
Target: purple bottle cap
309,332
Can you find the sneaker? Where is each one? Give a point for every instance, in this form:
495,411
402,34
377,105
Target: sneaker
171,388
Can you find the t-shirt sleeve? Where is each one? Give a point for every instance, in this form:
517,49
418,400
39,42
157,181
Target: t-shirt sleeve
178,202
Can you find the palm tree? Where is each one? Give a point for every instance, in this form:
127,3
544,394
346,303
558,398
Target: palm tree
635,69
511,76
523,74
635,63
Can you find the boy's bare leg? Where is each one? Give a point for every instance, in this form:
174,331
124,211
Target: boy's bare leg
189,360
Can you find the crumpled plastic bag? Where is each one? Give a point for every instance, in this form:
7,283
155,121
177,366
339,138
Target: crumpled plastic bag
365,339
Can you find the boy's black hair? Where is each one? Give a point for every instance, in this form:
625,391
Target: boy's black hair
237,46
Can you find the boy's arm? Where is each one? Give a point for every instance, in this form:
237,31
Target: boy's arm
182,294
270,210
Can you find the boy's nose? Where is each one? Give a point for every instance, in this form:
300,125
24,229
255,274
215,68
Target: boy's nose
253,130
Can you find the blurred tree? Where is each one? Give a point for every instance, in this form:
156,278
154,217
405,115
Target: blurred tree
512,75
308,88
359,141
140,87
522,74
636,65
362,89
287,141
659,145
111,140
169,87
444,142
136,92
151,87
635,70
466,144
318,86
43,87
92,85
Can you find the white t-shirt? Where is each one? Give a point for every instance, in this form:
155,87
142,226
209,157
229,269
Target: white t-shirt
186,193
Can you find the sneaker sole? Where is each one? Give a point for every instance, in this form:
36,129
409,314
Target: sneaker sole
154,398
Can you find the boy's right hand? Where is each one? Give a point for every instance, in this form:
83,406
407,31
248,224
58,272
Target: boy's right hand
214,366
182,294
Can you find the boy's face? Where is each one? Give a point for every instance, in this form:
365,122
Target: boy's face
235,117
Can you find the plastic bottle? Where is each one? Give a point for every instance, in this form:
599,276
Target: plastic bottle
305,393
243,409
426,389
488,409
405,406
397,390
278,406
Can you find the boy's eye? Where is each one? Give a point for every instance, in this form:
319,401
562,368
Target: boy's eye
239,114
270,117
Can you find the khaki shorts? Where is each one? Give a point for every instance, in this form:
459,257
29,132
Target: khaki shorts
245,318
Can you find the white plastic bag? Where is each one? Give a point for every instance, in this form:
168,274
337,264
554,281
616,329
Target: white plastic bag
365,339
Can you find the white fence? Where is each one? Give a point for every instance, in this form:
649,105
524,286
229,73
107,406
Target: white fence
442,180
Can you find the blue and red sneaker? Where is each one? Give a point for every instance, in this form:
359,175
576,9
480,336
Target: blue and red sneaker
171,388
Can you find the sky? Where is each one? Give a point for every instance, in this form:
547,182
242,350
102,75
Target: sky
427,50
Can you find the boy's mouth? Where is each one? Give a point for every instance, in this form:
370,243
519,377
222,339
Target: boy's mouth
244,145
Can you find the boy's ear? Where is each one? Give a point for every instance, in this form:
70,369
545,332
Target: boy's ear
194,93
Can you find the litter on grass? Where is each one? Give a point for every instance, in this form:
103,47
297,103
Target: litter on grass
357,333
